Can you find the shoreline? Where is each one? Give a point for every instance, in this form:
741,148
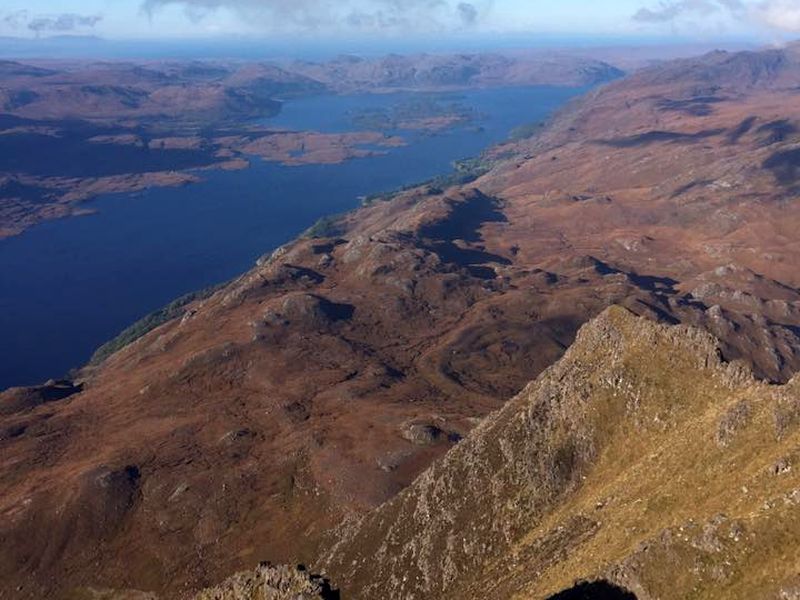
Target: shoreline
392,176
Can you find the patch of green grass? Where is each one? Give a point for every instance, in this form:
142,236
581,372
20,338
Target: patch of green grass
173,310
464,171
327,226
523,132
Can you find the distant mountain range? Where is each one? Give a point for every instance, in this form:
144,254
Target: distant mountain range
122,126
114,91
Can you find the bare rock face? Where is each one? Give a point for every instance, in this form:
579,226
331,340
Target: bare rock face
269,582
422,433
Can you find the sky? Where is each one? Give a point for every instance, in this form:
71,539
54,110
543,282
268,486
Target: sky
766,20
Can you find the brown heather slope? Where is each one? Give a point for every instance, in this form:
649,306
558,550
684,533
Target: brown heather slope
639,459
688,174
322,382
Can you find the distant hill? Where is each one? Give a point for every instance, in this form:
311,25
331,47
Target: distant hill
453,71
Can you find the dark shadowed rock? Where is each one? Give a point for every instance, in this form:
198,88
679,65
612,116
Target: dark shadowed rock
269,582
23,399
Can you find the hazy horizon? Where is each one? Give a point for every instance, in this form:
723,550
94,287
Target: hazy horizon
394,21
87,47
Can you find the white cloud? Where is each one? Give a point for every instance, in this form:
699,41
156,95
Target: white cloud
49,23
779,14
341,15
774,14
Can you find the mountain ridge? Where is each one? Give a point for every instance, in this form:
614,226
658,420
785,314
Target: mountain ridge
522,480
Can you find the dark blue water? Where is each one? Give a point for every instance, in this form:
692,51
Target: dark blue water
67,286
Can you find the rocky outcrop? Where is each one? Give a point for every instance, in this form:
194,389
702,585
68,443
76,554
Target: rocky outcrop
269,582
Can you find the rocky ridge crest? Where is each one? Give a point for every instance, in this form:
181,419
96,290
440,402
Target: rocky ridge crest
639,451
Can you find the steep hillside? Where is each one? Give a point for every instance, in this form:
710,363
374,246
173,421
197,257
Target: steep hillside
321,383
639,460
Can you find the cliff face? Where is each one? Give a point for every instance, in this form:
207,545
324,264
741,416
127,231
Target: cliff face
324,381
638,459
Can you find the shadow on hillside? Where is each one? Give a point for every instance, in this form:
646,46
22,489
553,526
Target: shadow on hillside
463,224
653,137
785,166
699,106
595,590
776,132
650,283
741,129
